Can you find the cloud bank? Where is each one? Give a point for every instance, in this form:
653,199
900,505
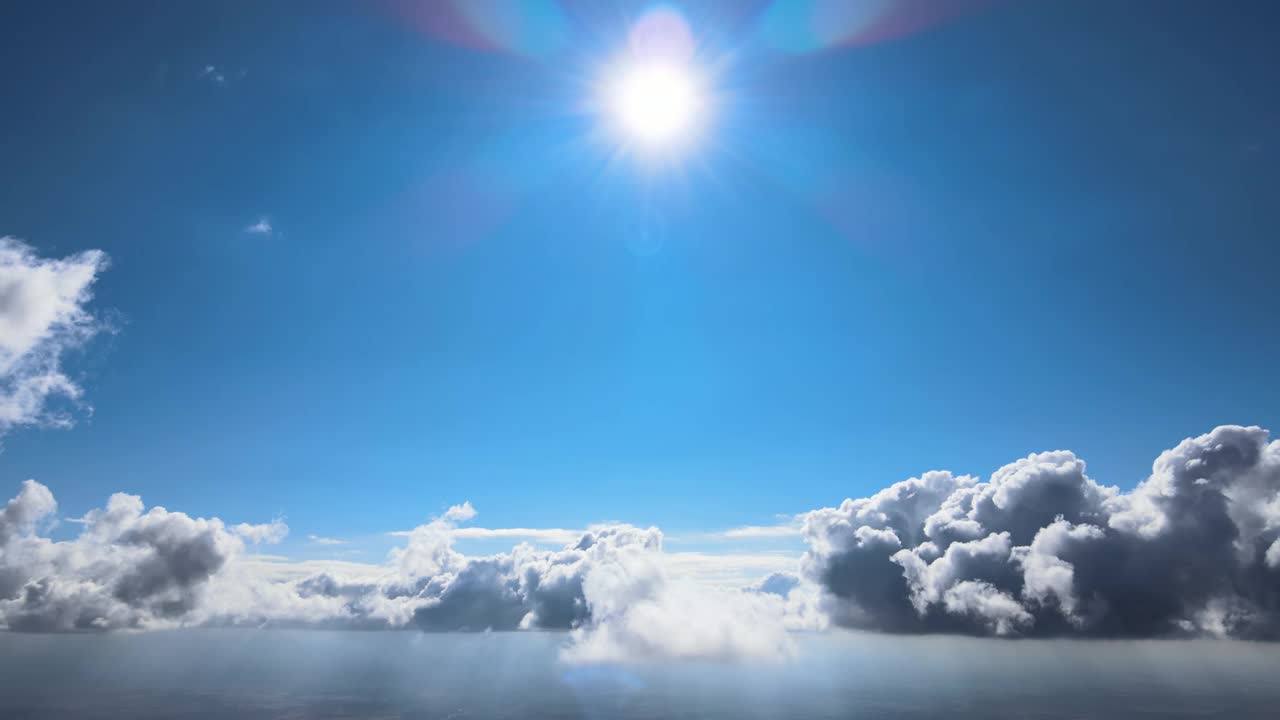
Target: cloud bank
42,316
1038,549
137,568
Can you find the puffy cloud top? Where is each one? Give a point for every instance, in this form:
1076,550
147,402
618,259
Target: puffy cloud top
139,568
1042,549
129,568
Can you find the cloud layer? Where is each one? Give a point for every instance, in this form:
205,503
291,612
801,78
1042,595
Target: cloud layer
137,568
1038,549
42,315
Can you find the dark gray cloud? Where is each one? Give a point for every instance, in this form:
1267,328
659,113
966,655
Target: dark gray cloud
1042,549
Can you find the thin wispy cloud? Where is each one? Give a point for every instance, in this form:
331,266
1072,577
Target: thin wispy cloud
261,227
271,533
731,569
550,536
213,74
318,540
788,527
792,529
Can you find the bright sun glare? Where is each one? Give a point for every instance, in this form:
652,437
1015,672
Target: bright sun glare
656,103
653,93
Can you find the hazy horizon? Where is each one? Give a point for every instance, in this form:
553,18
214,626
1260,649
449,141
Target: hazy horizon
318,674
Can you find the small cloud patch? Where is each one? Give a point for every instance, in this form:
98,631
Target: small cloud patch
262,227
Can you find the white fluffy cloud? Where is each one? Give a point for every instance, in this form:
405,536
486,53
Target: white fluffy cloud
638,612
42,315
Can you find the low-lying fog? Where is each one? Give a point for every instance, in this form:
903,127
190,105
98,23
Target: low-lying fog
309,674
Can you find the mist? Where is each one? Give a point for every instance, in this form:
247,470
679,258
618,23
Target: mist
320,674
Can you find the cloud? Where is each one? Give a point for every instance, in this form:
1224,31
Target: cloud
317,540
794,529
545,536
213,74
638,613
282,569
271,533
129,568
20,515
778,583
460,513
730,569
42,316
261,227
548,536
1037,549
1041,549
613,587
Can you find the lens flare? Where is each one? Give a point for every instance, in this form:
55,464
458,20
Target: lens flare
803,26
662,33
531,28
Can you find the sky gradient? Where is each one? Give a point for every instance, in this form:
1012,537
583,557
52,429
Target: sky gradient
941,319
1035,226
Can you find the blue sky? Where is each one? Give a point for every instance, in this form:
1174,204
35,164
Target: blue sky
1018,229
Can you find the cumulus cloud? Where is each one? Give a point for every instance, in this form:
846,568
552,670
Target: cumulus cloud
129,568
42,316
612,587
1042,549
778,583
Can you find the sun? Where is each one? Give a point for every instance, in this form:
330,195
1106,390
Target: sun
657,104
654,95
